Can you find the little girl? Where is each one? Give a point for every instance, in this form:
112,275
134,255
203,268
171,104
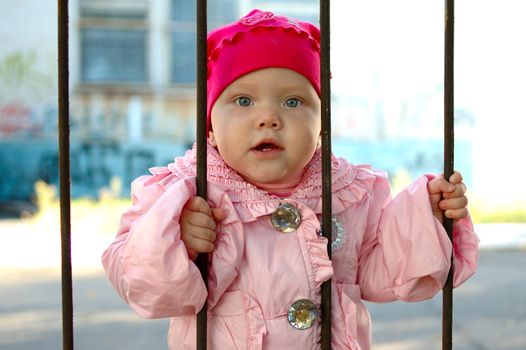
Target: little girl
261,223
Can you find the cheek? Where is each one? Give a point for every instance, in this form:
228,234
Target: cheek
218,133
312,135
225,144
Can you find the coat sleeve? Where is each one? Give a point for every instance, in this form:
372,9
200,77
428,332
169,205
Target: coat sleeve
147,263
405,253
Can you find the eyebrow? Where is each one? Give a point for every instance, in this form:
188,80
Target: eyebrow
285,87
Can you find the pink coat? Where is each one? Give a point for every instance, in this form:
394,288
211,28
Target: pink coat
383,249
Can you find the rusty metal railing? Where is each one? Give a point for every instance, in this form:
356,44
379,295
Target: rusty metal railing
326,222
64,169
201,137
449,150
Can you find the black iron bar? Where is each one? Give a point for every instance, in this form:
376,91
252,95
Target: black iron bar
65,181
449,146
326,164
201,183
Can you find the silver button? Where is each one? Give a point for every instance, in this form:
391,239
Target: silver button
286,218
302,314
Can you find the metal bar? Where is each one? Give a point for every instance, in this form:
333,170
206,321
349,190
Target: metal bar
326,164
449,146
65,182
201,183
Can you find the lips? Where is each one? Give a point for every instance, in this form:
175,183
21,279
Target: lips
267,145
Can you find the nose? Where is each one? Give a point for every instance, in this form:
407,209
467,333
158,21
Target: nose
269,118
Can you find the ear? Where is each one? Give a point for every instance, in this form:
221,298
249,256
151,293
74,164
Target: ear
212,139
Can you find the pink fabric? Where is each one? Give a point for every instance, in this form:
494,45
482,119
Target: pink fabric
393,249
261,40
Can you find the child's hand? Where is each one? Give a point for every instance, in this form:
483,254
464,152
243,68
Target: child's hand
198,224
448,198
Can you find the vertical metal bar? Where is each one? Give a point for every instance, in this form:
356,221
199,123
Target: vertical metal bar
201,183
449,139
65,195
326,164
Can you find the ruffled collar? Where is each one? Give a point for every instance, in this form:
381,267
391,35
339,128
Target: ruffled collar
349,183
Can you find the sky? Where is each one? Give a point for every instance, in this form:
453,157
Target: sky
400,44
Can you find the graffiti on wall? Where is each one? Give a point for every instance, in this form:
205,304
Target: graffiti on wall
27,96
18,119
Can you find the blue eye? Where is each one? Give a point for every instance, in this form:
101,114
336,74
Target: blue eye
243,101
292,102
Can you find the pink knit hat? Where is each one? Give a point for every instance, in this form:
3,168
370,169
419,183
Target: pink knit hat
260,40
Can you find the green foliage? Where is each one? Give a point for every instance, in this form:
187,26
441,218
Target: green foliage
502,213
45,196
87,215
20,69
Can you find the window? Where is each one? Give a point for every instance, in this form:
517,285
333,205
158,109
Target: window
113,41
183,36
113,55
183,57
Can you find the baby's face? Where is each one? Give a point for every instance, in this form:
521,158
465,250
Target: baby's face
266,126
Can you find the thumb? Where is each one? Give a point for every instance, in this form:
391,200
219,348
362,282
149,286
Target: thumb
218,213
438,186
198,204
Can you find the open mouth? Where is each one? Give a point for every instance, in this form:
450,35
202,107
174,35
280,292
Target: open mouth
267,146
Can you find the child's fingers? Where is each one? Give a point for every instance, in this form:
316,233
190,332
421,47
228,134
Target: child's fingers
459,191
438,186
201,220
198,240
198,224
455,178
202,245
198,204
456,214
453,203
203,234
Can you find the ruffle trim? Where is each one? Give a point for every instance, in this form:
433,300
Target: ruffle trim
321,264
350,183
314,248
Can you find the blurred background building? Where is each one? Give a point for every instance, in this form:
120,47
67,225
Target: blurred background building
132,83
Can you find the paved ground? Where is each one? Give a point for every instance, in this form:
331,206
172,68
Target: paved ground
490,313
490,309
